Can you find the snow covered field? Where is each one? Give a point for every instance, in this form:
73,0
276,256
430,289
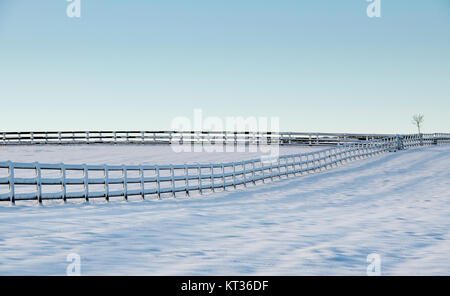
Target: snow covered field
396,205
136,154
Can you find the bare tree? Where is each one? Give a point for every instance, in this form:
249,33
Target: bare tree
417,120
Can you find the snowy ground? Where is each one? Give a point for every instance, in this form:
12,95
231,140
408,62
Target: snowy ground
396,205
140,154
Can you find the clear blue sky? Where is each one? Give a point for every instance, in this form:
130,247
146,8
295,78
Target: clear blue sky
318,65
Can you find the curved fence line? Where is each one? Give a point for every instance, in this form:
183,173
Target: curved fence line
182,137
38,181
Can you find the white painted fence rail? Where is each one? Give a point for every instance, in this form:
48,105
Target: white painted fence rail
37,181
169,137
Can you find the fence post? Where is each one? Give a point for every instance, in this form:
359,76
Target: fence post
38,183
223,177
244,171
234,175
324,158
354,151
286,166
421,139
339,157
158,182
279,168
106,172
307,163
344,154
314,162
63,183
263,168
186,179
316,157
172,179
271,170
332,157
12,192
435,142
304,164
212,178
199,171
125,182
224,138
297,165
253,173
86,183
399,142
141,172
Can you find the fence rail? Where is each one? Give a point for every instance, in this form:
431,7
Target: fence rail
37,181
183,137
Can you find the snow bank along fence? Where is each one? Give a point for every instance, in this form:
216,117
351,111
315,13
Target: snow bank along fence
37,181
169,137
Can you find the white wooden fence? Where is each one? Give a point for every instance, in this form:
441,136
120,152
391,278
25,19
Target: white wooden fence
37,181
169,137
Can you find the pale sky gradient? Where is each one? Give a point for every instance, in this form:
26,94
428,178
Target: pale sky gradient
319,65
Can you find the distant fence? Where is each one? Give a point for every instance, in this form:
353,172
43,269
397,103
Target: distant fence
37,181
183,137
